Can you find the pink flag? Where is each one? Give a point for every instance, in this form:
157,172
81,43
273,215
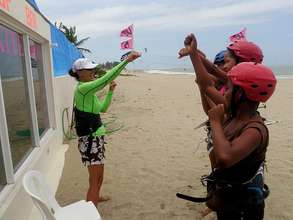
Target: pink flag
239,36
127,32
127,44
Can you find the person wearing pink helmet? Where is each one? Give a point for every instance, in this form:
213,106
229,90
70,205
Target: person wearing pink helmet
246,51
236,189
242,51
237,52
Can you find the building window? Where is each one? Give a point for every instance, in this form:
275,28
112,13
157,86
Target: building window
39,86
2,170
12,70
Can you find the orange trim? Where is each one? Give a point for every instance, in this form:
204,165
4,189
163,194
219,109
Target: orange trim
31,18
5,4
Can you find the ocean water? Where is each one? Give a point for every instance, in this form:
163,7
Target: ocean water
282,72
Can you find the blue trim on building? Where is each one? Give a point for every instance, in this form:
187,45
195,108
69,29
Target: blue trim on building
64,52
34,4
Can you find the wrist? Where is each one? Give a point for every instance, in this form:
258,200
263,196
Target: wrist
129,59
194,54
215,122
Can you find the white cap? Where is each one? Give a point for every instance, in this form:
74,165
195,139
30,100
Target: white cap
83,63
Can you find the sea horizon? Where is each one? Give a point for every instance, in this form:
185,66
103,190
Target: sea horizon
281,71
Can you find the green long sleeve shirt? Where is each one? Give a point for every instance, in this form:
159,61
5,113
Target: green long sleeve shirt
85,98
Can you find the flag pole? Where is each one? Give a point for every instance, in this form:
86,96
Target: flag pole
133,36
133,45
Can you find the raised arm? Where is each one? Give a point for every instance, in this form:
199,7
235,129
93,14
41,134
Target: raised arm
100,83
204,103
204,80
110,75
214,70
210,67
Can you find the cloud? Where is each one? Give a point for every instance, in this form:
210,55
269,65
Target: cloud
97,20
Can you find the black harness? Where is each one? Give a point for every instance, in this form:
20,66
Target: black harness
86,123
251,192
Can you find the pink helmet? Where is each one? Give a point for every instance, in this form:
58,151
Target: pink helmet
257,80
246,51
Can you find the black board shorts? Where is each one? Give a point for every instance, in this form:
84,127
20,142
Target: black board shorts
92,150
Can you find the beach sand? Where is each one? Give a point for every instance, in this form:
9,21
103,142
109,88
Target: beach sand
159,153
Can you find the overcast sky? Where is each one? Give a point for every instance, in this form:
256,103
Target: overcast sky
160,26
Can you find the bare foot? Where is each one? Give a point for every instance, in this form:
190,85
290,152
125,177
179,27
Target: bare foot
104,199
204,212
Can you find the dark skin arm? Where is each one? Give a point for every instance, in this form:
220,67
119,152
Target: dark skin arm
185,52
210,67
213,70
204,103
227,153
204,80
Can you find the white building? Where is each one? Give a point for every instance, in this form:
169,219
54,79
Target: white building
32,98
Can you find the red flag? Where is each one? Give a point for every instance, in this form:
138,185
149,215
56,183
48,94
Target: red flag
239,36
127,44
127,32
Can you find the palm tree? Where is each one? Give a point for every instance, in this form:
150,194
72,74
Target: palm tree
70,33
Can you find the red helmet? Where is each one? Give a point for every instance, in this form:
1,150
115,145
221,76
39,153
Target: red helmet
246,51
257,80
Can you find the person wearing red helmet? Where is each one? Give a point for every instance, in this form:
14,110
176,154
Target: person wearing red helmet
205,78
236,186
242,51
246,51
237,52
256,80
239,137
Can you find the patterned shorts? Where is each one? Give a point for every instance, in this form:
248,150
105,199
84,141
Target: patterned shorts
92,150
